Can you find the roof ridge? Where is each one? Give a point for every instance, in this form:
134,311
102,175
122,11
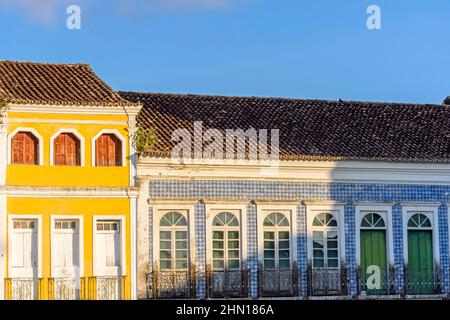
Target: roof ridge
47,63
358,102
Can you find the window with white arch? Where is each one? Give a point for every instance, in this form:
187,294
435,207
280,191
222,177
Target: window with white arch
173,242
276,231
373,221
419,221
325,238
226,253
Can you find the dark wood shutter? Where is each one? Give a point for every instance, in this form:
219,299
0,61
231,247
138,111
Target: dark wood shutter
67,150
25,148
108,151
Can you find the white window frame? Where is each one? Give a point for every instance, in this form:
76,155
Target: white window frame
35,134
123,254
186,209
432,213
80,221
385,211
290,211
76,134
38,219
240,211
337,209
117,134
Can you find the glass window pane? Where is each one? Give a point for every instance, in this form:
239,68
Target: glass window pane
165,244
180,234
217,244
317,235
218,254
217,234
165,255
283,235
332,263
233,264
269,235
332,244
332,235
284,264
165,235
233,234
284,254
233,244
181,264
181,244
165,264
233,254
218,264
269,245
269,264
269,254
181,254
318,263
283,244
317,244
332,253
318,253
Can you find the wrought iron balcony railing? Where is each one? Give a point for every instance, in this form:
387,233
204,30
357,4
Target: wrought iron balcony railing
227,283
372,283
278,282
171,284
422,281
23,288
327,281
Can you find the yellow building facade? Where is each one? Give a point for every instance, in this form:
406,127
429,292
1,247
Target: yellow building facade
67,185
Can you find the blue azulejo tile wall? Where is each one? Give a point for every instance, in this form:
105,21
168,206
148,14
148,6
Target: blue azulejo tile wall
251,191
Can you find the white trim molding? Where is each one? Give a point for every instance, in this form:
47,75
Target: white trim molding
38,219
35,134
290,211
188,210
429,210
76,134
239,209
123,243
385,211
123,145
74,109
337,210
80,220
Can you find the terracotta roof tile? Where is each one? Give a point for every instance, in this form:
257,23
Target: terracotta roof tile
309,129
56,84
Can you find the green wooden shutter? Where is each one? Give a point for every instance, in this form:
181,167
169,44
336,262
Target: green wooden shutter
420,262
373,252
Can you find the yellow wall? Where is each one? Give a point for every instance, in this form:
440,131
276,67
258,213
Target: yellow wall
87,176
73,176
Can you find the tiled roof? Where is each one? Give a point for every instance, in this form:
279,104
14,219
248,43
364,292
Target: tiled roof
309,129
55,84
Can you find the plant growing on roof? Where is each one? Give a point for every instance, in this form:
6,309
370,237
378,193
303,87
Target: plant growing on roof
143,139
4,106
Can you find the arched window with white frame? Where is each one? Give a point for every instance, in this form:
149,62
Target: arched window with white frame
276,230
325,237
173,242
226,254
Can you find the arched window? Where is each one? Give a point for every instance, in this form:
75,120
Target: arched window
372,221
276,242
325,241
25,148
420,221
108,150
67,150
225,242
173,242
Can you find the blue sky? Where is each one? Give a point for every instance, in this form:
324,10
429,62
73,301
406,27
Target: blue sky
292,48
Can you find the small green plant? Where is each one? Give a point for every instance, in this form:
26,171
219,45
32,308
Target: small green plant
143,139
4,105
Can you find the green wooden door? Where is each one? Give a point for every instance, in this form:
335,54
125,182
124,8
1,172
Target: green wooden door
373,253
420,262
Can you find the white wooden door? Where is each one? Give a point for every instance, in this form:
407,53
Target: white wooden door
23,271
24,249
66,259
108,259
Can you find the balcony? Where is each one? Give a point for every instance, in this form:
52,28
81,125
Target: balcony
278,283
89,288
424,281
367,285
327,282
172,284
227,283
